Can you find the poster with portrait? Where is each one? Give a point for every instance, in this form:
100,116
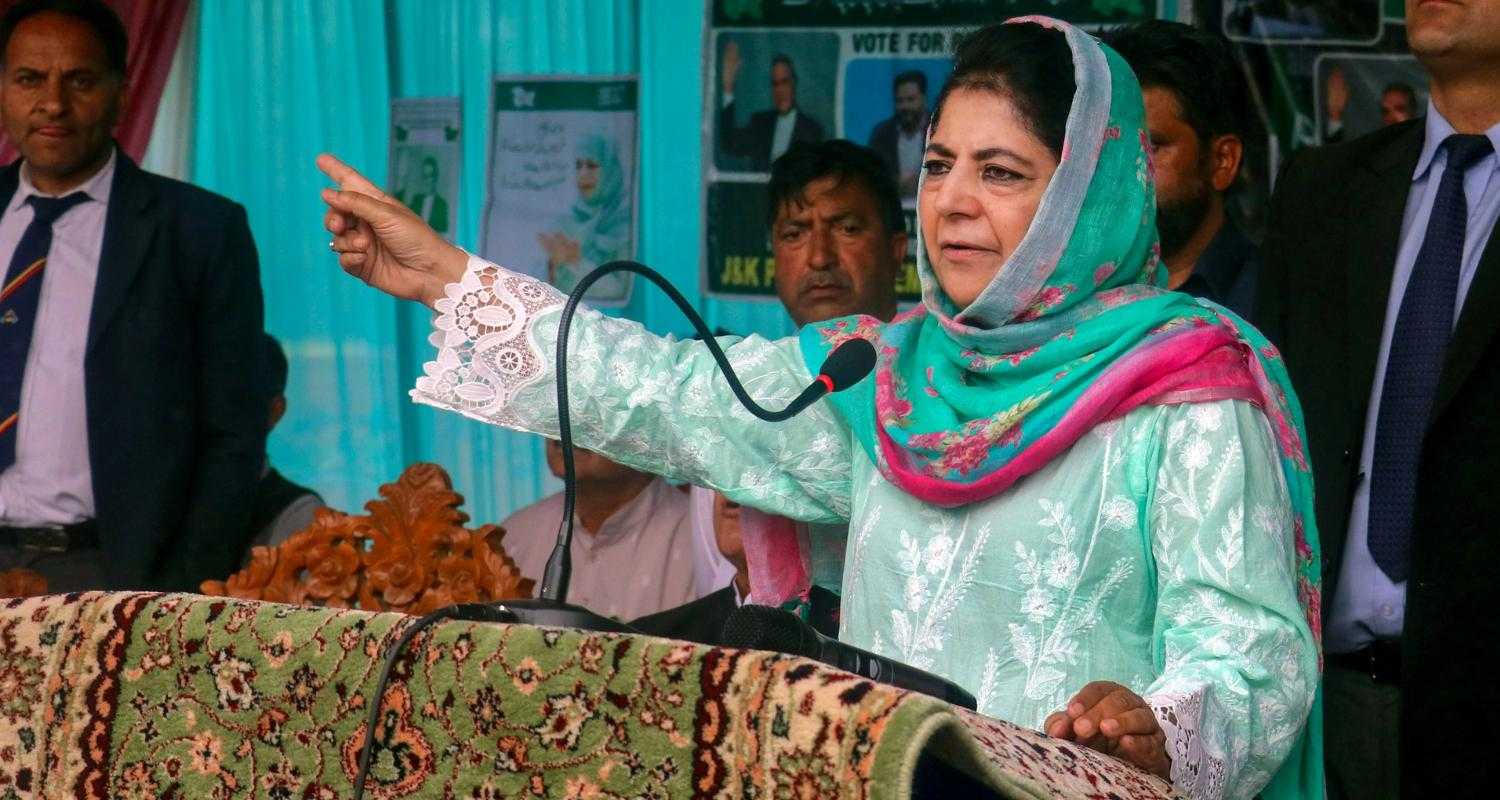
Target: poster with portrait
1320,72
1358,93
779,72
426,159
561,196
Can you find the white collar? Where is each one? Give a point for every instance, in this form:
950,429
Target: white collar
1438,129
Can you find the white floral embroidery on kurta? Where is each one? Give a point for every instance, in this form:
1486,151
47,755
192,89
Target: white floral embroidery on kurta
933,589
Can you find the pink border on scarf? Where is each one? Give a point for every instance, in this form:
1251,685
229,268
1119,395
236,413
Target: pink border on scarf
776,551
1201,363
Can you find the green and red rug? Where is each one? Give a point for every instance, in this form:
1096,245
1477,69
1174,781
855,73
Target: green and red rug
133,695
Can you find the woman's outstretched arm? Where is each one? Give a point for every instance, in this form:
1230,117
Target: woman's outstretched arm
649,402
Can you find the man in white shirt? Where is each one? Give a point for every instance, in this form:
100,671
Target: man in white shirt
131,432
632,538
772,131
901,140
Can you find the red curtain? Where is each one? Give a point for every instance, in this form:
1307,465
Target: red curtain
154,28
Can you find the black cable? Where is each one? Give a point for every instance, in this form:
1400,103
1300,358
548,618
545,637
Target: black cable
558,573
472,612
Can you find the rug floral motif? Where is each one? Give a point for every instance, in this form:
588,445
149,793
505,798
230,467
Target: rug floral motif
133,695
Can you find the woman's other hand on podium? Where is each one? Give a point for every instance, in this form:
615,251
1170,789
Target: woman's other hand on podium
382,242
1110,718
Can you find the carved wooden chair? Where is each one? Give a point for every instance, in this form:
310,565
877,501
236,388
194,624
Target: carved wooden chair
411,553
22,582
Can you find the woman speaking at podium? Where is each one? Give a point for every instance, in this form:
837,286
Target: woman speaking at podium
1081,497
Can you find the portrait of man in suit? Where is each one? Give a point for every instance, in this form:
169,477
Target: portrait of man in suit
426,201
900,139
132,431
1360,95
770,131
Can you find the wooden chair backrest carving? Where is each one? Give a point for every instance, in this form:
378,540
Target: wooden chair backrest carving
410,553
22,582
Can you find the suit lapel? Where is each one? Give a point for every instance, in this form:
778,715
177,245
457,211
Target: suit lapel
10,180
1478,323
1376,205
129,227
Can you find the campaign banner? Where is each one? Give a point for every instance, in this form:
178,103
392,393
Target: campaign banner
562,182
426,159
1324,72
1320,73
778,72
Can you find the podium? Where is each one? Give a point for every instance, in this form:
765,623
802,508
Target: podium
170,695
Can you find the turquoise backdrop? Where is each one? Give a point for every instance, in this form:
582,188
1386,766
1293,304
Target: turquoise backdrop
280,81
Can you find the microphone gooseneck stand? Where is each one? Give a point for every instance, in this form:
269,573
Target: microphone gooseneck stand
847,365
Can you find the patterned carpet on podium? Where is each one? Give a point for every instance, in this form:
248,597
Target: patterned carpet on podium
139,695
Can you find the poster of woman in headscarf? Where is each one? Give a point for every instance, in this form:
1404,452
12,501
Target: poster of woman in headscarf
562,180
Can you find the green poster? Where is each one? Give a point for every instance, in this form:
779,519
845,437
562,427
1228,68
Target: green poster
784,71
562,179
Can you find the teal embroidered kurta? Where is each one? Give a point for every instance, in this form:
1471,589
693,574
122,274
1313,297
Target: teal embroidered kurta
1157,552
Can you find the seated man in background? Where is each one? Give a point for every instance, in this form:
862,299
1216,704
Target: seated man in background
281,507
1196,109
839,238
632,538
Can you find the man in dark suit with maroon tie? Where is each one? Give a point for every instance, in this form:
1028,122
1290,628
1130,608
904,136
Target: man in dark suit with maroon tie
131,429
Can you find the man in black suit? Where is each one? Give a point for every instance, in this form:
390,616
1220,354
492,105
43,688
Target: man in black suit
901,139
131,426
771,131
1382,289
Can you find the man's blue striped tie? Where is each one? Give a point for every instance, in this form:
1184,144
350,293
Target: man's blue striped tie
20,298
1423,327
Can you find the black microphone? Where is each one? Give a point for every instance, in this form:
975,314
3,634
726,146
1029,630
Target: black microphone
847,365
766,628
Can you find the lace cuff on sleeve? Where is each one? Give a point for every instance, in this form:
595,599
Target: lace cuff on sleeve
488,350
1195,771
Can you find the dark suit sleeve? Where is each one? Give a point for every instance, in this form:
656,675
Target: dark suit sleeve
883,142
814,128
734,140
231,414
